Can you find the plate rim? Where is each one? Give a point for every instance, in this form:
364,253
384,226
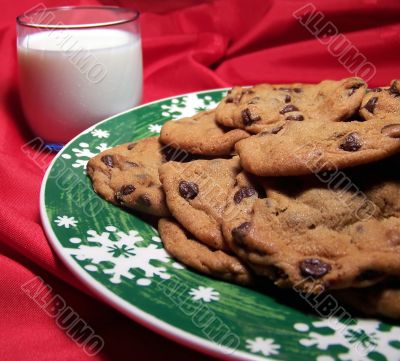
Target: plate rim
108,297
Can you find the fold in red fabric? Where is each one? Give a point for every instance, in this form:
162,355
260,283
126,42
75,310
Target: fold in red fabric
188,45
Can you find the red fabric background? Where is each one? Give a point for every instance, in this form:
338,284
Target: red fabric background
188,45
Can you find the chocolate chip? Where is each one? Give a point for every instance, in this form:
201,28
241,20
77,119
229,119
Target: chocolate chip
229,91
394,88
248,117
254,100
144,200
288,98
314,267
124,191
353,89
131,146
108,160
188,190
244,192
391,130
297,118
239,231
351,143
276,130
297,90
127,189
289,108
370,106
229,100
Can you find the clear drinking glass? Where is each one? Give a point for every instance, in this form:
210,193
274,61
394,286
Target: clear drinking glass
77,66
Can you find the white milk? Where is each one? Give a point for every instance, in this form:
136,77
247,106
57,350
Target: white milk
65,89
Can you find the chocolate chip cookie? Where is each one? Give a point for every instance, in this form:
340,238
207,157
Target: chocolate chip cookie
297,148
127,175
314,234
201,134
196,255
379,300
196,194
264,105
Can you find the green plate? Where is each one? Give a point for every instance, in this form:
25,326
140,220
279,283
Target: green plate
122,260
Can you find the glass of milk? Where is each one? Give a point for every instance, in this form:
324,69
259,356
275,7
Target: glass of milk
77,66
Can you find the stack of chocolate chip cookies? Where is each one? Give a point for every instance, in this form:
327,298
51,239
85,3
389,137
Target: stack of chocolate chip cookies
298,184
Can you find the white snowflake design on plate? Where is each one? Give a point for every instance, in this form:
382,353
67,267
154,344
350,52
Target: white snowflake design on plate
361,339
125,251
187,106
84,154
65,221
154,128
99,133
206,294
266,346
